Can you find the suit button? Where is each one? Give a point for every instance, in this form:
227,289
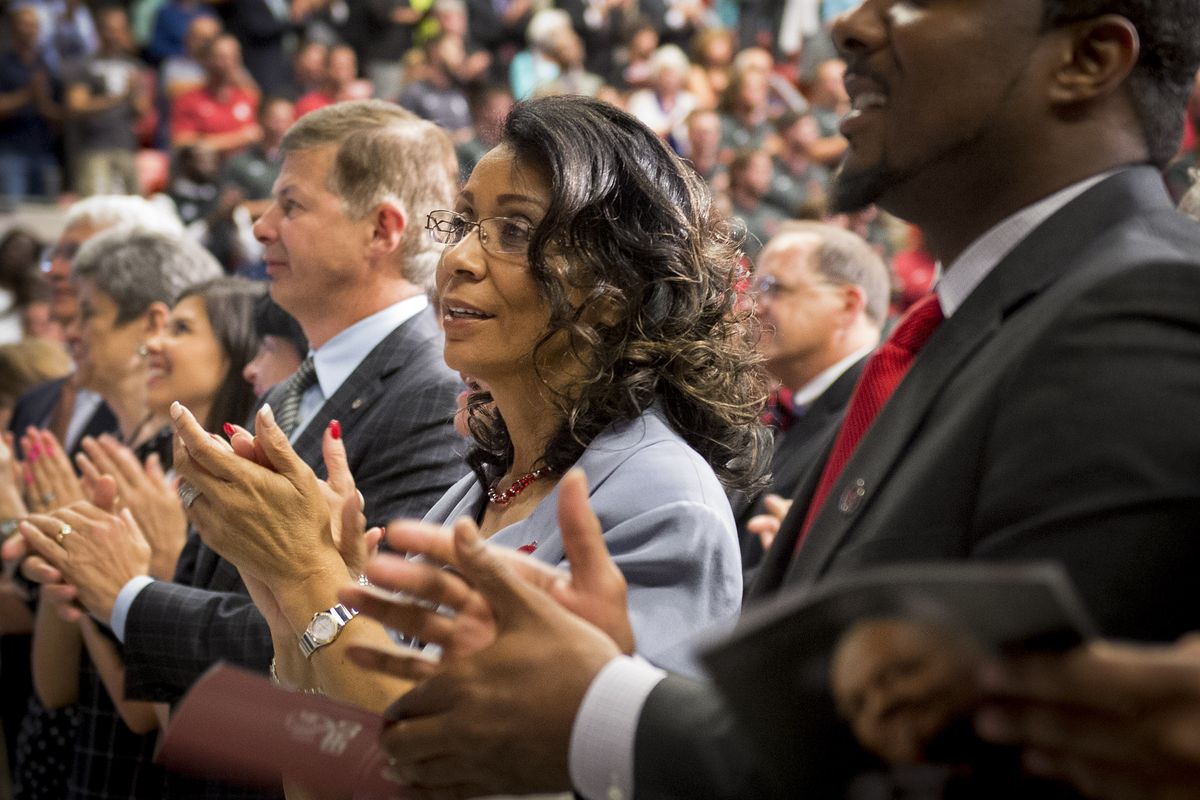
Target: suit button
357,404
852,497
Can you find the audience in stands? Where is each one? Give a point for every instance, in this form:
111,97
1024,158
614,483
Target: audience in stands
222,114
28,112
106,97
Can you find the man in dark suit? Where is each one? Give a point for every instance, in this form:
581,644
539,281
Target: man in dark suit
1049,416
822,298
348,262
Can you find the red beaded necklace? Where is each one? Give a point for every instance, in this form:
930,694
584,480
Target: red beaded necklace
518,486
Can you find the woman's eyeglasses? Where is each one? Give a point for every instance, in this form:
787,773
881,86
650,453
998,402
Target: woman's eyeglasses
499,235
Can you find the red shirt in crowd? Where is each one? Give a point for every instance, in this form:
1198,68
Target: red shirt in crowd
311,102
200,111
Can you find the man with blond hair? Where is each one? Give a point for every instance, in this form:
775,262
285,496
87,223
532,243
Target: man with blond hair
347,256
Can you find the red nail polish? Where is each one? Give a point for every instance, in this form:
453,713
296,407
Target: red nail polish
34,452
229,429
48,448
335,429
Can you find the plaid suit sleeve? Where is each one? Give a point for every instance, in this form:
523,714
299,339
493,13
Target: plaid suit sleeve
175,632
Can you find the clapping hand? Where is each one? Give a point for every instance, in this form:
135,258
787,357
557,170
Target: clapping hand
145,491
339,490
272,523
84,545
50,478
440,606
499,720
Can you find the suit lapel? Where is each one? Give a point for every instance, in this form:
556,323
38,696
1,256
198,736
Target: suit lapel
1039,260
796,449
355,397
778,559
810,449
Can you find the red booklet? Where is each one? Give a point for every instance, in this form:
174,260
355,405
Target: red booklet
235,726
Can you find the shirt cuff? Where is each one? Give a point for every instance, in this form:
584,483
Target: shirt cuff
124,602
602,738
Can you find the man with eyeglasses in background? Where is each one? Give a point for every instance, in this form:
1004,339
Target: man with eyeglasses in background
822,300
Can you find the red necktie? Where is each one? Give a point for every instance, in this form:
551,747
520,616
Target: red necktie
880,378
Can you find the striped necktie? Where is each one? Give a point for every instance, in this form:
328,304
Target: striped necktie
288,413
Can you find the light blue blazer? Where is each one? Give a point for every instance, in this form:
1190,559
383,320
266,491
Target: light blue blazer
667,525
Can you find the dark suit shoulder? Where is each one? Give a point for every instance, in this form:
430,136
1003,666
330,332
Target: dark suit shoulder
35,405
397,412
687,745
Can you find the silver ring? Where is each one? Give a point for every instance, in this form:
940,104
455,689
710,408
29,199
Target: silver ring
48,498
188,494
63,532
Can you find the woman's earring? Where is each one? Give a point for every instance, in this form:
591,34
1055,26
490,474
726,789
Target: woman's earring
142,350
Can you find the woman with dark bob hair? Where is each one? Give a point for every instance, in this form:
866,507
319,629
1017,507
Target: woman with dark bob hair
588,288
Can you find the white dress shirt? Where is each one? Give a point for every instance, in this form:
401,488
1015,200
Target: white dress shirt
807,394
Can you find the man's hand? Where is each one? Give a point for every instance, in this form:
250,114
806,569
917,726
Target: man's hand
594,589
1116,721
499,721
92,550
766,526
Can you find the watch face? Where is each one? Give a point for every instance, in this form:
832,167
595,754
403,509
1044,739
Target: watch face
323,628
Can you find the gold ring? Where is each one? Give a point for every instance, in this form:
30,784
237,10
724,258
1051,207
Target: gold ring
63,532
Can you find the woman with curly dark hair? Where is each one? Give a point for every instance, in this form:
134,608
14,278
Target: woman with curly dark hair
588,284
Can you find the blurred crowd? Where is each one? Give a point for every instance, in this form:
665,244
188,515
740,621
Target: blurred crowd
188,100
